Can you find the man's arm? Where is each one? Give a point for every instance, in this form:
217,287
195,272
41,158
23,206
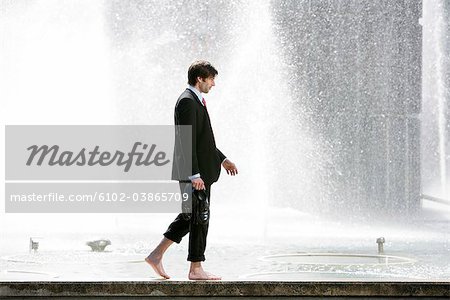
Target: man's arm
186,115
228,165
221,155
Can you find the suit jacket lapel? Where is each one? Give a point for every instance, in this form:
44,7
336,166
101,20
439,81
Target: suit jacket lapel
206,111
197,100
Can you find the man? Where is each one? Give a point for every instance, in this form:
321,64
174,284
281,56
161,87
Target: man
206,160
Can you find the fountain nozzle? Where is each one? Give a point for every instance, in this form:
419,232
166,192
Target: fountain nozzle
380,242
33,245
98,245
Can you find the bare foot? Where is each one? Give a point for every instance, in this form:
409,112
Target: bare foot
200,274
156,263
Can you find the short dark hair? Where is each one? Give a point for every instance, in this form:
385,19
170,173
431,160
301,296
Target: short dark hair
200,68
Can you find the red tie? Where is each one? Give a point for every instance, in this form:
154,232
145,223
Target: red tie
204,102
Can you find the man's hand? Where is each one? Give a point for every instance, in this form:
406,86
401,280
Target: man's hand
198,184
230,167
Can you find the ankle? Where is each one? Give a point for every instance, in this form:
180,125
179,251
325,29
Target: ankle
155,254
195,266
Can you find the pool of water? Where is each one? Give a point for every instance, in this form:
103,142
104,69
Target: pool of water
337,259
290,248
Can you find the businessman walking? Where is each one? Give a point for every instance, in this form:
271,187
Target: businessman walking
206,164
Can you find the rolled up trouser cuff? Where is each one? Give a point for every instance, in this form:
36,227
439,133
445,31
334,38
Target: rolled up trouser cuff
196,258
171,237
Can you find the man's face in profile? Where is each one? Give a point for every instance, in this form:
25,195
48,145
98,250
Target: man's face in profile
206,84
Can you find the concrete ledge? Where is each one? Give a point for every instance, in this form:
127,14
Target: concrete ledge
225,288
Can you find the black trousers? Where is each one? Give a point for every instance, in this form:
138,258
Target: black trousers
197,233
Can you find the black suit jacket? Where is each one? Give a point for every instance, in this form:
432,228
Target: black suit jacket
206,158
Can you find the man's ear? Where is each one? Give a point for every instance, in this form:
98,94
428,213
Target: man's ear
199,79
